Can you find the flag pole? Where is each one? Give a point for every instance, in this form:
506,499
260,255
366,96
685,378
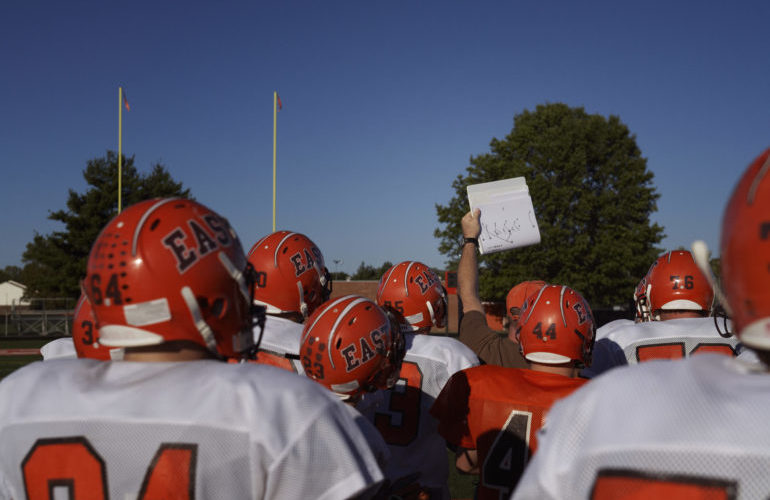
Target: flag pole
120,145
275,147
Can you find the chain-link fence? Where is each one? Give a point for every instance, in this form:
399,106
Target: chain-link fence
38,317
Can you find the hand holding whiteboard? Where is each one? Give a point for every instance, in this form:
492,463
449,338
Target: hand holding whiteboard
507,216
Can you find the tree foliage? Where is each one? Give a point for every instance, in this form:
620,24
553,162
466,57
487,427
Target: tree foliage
10,273
367,272
54,264
339,276
593,197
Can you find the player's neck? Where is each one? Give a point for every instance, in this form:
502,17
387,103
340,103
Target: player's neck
168,351
664,315
567,369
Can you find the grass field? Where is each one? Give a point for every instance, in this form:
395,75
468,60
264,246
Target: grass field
460,486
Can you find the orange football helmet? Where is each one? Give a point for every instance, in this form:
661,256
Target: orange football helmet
171,269
85,336
518,294
416,296
675,283
291,274
745,254
351,346
556,326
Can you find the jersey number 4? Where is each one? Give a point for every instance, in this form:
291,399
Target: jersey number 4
509,453
73,465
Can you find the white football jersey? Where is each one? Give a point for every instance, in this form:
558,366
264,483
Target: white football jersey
59,348
281,336
630,343
211,429
663,429
379,449
402,414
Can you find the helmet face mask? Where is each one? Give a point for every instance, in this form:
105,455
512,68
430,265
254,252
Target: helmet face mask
675,283
643,313
167,270
351,346
414,293
291,274
557,327
745,247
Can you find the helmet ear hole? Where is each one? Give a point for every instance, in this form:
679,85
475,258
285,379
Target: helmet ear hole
218,307
215,309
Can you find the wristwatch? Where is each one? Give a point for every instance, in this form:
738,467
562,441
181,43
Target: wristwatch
475,241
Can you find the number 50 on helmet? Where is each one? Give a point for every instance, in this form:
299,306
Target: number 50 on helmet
291,274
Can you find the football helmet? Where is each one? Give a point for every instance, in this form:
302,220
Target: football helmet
413,292
556,326
85,336
171,269
291,274
518,294
675,283
745,254
351,346
640,300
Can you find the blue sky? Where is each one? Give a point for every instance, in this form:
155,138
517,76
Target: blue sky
384,102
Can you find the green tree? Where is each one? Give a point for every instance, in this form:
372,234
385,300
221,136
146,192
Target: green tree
593,197
54,264
10,273
367,272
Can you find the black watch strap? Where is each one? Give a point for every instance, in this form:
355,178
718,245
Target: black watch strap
475,241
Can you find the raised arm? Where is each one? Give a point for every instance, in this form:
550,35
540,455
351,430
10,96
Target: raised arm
468,270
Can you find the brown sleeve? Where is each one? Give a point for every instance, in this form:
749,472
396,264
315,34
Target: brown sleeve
491,347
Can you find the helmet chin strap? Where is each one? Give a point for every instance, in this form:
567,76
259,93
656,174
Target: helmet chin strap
302,305
203,328
430,310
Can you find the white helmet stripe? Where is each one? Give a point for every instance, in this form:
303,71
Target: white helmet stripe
315,321
257,245
430,310
144,218
406,277
337,322
278,247
386,281
532,307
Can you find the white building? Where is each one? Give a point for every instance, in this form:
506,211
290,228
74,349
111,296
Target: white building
11,293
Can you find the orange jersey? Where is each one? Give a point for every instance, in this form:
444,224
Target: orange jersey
498,411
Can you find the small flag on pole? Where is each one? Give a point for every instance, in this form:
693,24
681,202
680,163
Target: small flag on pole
280,105
125,102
